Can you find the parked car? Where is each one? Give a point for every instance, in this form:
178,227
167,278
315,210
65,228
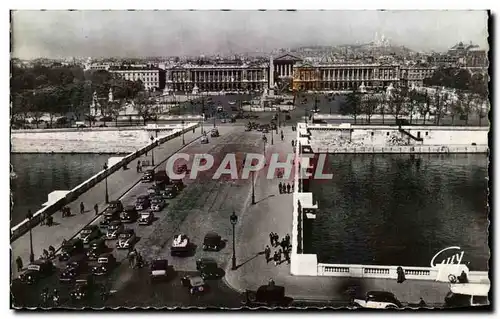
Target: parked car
126,239
378,300
170,191
96,248
114,208
204,139
214,132
267,296
208,268
129,214
37,270
146,218
84,287
90,233
467,295
179,184
75,267
105,263
148,176
195,284
142,202
157,204
114,229
71,248
212,241
180,245
223,120
159,269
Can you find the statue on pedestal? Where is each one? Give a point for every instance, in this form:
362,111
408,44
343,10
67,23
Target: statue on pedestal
362,87
389,90
110,95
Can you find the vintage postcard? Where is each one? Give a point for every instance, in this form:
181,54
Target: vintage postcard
249,159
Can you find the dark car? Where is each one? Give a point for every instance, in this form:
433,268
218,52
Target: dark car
71,248
170,191
267,295
195,284
89,233
83,288
178,183
127,239
377,300
129,215
161,176
114,208
114,229
142,202
159,269
212,241
75,267
37,270
214,132
148,176
96,248
105,263
208,268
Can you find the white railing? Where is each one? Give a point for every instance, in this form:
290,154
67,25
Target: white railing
369,271
319,147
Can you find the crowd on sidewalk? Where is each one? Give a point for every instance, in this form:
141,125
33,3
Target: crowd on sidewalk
284,249
286,188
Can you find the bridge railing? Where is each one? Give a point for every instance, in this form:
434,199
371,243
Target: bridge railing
369,271
23,227
406,149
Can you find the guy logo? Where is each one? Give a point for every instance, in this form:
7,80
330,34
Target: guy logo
455,259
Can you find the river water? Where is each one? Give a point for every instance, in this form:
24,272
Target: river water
40,174
401,209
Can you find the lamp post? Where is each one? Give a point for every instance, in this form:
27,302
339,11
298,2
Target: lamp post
253,187
305,115
272,137
32,255
234,219
105,167
214,119
152,152
183,141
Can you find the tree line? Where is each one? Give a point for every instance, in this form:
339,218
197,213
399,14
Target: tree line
59,90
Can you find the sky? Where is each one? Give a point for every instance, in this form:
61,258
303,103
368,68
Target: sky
59,34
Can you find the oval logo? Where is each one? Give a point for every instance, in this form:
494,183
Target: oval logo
454,259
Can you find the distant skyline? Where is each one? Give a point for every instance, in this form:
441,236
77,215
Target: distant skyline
59,34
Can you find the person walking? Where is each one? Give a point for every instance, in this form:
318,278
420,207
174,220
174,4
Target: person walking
288,188
401,275
19,263
82,208
276,239
43,219
275,258
286,255
138,166
279,256
281,187
271,238
283,243
267,253
96,209
282,136
287,239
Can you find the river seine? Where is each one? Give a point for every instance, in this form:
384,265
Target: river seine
401,209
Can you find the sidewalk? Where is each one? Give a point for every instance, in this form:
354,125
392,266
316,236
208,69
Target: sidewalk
119,183
273,213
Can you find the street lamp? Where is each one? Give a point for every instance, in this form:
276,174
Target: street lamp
183,141
105,167
272,137
253,187
152,152
234,219
32,255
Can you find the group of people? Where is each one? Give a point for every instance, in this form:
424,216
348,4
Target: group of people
135,259
285,249
285,188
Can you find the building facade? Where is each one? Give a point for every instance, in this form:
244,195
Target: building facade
414,76
152,78
214,78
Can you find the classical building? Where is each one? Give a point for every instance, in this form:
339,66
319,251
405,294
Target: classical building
283,66
413,76
217,77
152,78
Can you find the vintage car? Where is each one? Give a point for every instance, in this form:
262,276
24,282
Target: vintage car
161,176
181,169
180,245
170,191
220,108
142,202
178,183
212,241
204,139
126,239
195,284
129,214
467,295
75,267
96,248
90,233
223,120
208,268
377,300
71,248
159,269
157,187
214,132
148,176
37,270
105,263
113,210
267,295
114,229
83,288
158,203
146,218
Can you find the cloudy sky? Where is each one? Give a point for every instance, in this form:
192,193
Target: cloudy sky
166,33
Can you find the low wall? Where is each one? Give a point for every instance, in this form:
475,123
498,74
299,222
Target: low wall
435,149
20,229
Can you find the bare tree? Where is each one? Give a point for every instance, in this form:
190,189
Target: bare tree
424,108
368,106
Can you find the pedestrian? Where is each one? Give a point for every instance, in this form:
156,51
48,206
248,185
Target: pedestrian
286,255
96,209
275,258
282,136
287,239
279,256
82,208
276,239
401,275
267,253
43,219
19,263
293,187
52,251
50,221
45,254
292,143
271,238
283,243
138,166
193,130
288,188
281,187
